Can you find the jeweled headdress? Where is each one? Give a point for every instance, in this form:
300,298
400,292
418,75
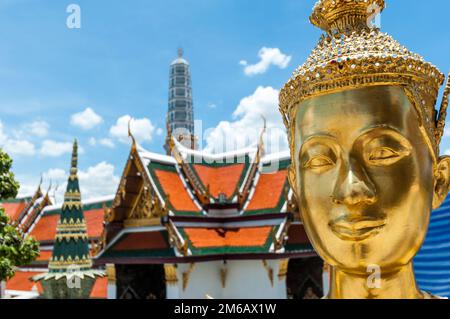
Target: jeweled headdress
353,54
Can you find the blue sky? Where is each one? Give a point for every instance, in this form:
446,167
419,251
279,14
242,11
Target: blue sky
117,64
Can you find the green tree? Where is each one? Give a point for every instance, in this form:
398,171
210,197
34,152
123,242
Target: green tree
15,250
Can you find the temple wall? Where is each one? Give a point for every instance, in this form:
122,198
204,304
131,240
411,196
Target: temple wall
244,279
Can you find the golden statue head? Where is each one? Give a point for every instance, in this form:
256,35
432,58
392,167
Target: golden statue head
364,138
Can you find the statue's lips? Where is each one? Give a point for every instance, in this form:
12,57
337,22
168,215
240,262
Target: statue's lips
357,230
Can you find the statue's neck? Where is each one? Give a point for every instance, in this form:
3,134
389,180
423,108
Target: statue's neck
400,284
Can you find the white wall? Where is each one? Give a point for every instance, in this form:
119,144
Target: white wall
2,289
245,279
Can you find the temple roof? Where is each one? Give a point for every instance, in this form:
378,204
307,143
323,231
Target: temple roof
23,210
13,207
232,206
199,206
43,230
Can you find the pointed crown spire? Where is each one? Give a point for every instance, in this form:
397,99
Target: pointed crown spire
338,16
74,163
356,54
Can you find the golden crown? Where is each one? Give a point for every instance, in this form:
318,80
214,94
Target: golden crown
354,54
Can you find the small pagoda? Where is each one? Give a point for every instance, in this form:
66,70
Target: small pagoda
70,274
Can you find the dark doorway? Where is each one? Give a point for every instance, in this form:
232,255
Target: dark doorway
140,282
304,278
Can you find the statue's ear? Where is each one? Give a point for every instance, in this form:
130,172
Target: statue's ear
442,181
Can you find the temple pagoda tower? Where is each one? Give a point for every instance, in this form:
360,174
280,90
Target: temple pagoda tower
180,115
70,274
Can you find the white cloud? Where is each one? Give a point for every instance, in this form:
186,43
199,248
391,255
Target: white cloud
447,130
15,147
38,128
142,129
98,180
27,185
159,131
268,57
246,128
54,149
107,142
19,148
86,120
3,136
55,174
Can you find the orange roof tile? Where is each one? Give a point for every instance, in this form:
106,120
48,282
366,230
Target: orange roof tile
21,281
242,237
178,195
45,228
268,191
220,179
137,241
94,222
100,289
13,209
44,255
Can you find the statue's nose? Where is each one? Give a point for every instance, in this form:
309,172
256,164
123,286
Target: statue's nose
355,188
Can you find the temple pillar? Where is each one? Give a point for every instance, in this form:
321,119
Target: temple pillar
2,289
171,278
112,288
326,278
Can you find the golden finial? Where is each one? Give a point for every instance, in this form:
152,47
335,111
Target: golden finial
169,140
338,16
261,136
49,187
38,190
131,134
440,126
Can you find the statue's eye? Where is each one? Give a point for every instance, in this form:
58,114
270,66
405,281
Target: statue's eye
319,161
384,155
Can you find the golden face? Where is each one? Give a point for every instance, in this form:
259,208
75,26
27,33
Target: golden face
364,177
